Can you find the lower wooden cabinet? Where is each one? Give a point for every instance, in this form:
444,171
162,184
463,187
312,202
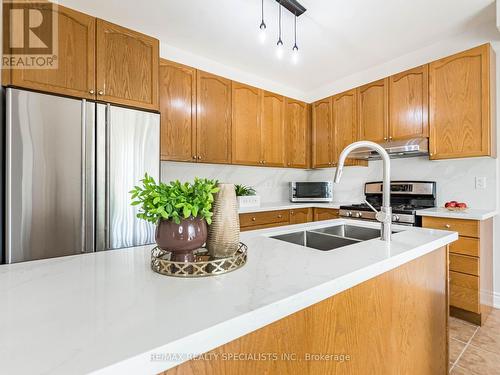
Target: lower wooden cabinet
470,266
325,214
301,215
270,219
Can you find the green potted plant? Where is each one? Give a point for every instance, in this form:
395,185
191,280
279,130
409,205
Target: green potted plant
180,211
247,196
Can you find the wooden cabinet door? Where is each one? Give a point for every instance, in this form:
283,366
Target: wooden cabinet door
460,106
178,111
273,129
246,125
301,215
344,123
75,73
127,66
297,127
372,111
408,104
323,142
325,214
213,118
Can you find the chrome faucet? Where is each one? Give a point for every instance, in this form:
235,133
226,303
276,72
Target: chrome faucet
385,214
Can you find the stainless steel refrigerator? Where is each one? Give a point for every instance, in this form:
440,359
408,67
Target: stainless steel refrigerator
69,166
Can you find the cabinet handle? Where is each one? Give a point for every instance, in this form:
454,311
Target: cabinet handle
100,92
253,219
447,226
91,91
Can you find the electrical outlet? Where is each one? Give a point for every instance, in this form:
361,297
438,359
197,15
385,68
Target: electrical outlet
480,183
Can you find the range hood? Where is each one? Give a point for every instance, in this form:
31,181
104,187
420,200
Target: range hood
396,149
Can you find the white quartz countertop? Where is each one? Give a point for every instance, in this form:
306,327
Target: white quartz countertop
469,213
108,313
273,206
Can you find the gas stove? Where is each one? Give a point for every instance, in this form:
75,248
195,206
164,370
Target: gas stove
406,198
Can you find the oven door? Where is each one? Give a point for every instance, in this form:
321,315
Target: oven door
311,191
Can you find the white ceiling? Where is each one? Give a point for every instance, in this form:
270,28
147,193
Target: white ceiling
337,38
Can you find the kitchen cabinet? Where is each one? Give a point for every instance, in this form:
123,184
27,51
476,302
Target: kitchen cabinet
373,111
301,215
298,134
408,104
246,124
273,129
462,104
325,214
75,73
127,66
470,266
323,147
213,118
177,85
265,219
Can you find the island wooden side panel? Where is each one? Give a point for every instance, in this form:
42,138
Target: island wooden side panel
395,323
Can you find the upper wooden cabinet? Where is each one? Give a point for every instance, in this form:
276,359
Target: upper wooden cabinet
323,134
461,104
246,124
213,118
345,124
298,134
127,68
178,111
273,129
75,73
408,104
373,111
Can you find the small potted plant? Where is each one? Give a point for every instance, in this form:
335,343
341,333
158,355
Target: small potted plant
180,211
247,196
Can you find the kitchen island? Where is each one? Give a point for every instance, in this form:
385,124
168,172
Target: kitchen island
109,313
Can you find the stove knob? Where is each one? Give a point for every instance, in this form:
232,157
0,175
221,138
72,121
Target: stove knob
395,218
348,214
358,214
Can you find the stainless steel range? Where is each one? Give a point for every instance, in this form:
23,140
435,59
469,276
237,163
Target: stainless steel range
406,198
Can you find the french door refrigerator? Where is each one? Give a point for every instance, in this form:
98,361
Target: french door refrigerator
69,166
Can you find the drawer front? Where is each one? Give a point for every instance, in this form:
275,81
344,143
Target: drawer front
464,264
468,228
464,291
325,214
465,246
264,218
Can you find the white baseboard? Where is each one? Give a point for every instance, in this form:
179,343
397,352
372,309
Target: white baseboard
496,300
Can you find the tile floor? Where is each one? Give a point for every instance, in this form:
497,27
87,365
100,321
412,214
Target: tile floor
475,350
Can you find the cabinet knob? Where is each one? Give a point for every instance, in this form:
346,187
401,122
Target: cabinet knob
447,226
291,212
253,219
91,91
263,162
280,216
100,92
390,138
288,164
199,157
195,157
385,138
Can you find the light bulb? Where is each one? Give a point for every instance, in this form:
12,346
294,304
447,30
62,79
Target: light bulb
280,49
295,55
262,33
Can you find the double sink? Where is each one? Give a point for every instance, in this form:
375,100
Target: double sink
330,238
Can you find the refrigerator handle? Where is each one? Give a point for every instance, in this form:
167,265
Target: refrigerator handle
107,176
84,174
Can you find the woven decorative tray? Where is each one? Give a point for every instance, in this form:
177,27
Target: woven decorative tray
204,264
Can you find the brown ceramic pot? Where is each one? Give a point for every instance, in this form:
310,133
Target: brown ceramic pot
182,239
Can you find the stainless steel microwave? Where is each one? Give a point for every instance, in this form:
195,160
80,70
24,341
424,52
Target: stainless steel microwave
311,191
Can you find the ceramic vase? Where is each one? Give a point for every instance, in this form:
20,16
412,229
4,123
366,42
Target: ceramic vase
182,239
224,232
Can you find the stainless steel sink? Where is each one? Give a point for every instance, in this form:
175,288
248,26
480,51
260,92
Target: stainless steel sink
319,241
351,231
331,237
